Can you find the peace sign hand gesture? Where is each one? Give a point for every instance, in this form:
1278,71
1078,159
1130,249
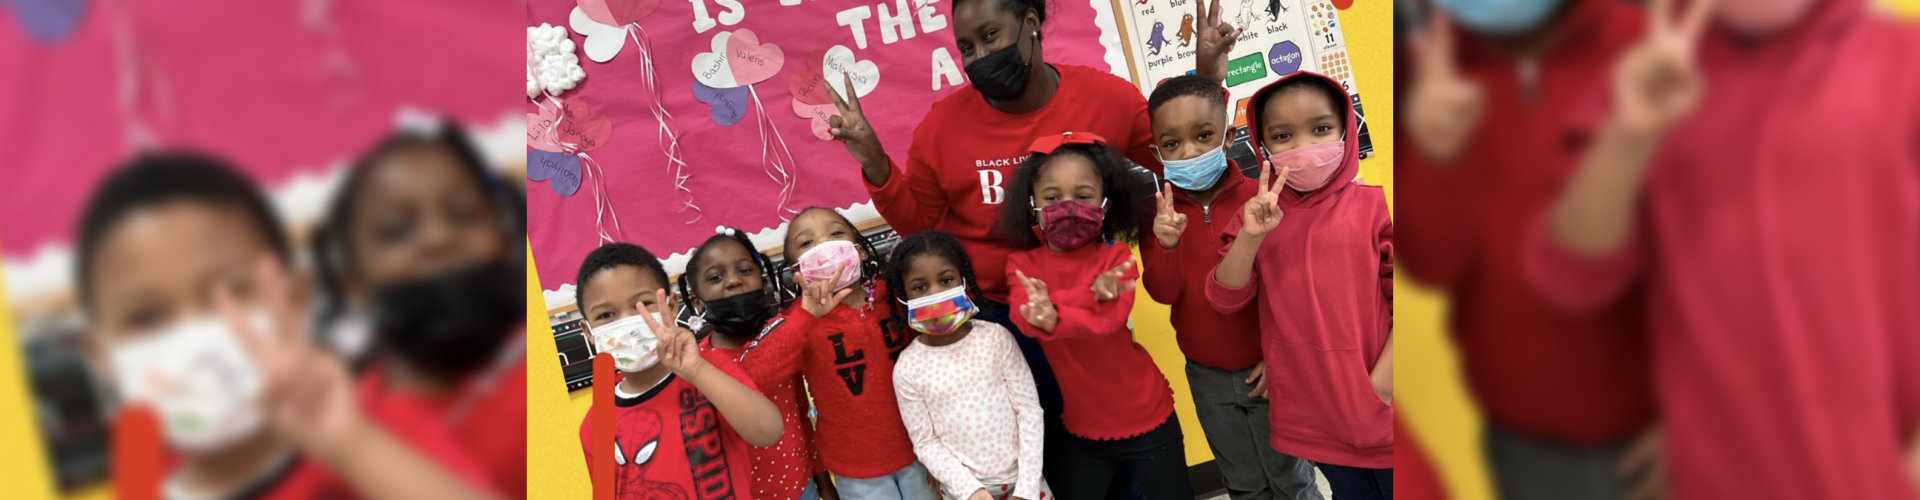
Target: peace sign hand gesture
1107,286
1168,224
1038,310
853,131
307,394
1446,105
1656,83
678,349
1217,37
1262,212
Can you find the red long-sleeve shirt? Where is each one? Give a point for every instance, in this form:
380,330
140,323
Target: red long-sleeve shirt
1323,285
1178,277
964,153
847,358
1533,369
780,471
1109,385
1780,262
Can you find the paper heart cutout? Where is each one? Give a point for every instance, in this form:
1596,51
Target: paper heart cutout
816,115
711,68
751,61
809,84
575,123
728,105
618,12
49,21
560,170
603,41
839,61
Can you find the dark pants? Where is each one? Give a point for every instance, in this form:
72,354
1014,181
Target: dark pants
1237,430
1354,483
1528,468
1155,461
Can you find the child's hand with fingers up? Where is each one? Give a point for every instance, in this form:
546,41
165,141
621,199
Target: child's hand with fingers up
818,297
308,395
1168,224
678,348
1445,106
1262,212
1108,286
1657,82
1038,310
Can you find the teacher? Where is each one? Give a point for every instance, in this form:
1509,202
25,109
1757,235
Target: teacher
968,144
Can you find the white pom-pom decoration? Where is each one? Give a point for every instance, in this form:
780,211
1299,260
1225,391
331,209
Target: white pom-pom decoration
551,65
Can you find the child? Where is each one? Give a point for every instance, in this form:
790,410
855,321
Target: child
1324,280
1118,409
834,337
1224,368
732,284
428,243
965,393
664,425
181,277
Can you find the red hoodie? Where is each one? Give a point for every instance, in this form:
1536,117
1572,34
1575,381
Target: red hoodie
1777,246
1573,378
964,152
1324,280
847,357
1178,277
781,470
1109,385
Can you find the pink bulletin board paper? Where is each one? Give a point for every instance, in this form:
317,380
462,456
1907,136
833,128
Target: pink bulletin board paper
728,181
248,80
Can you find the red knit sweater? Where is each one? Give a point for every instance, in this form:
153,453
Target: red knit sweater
1111,388
847,358
781,470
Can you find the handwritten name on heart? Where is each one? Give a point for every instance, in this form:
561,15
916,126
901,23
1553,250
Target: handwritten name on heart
561,171
751,61
839,64
574,123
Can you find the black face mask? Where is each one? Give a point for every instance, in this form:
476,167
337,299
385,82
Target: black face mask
451,325
739,316
1002,76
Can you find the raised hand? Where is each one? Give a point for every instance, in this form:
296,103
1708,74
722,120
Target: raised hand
1262,212
1168,224
818,297
853,131
678,349
1038,310
308,395
1446,106
1216,40
1107,286
1656,82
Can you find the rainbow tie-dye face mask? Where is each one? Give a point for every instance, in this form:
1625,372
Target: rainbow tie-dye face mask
941,313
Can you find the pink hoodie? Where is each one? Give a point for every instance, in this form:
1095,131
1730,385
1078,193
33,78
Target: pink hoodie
1779,249
1323,285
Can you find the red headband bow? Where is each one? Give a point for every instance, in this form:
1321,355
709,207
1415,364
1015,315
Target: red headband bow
1046,144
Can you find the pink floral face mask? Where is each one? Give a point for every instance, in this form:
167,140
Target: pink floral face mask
837,261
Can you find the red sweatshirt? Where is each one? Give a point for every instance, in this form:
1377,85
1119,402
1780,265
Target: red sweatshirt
1573,378
847,358
1778,255
673,443
779,471
1178,277
487,415
1110,386
1324,284
965,151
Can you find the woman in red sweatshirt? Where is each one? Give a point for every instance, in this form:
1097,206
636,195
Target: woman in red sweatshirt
1074,208
1315,249
1757,176
835,336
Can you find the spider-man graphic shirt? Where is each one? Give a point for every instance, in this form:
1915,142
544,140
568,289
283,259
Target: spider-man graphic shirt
670,443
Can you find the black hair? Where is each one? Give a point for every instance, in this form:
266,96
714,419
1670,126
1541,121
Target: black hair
1127,197
1186,85
613,255
1019,7
869,268
768,275
1336,98
153,179
934,243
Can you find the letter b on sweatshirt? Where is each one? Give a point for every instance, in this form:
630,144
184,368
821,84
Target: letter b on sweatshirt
990,191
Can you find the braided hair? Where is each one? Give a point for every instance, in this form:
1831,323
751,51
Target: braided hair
726,234
927,243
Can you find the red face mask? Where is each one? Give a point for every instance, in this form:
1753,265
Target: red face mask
1070,225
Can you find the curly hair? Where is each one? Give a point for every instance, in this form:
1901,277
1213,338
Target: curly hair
725,235
1127,213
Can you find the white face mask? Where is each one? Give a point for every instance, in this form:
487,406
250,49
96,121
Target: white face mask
629,341
198,378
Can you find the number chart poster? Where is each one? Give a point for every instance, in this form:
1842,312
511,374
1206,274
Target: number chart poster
1277,37
739,87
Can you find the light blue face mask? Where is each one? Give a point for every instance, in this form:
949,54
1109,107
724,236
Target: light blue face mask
1197,173
1500,17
